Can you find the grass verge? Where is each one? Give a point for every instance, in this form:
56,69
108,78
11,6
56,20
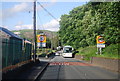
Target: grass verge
110,51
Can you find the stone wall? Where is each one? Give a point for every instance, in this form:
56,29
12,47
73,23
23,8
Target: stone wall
112,64
108,63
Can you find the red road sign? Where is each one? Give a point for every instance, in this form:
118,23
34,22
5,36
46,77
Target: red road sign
100,40
41,38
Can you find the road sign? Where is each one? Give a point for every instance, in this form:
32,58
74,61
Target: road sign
100,40
41,44
41,38
100,45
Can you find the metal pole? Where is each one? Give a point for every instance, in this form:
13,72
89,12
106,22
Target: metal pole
34,25
100,50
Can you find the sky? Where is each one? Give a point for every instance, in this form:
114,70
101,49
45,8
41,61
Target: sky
19,15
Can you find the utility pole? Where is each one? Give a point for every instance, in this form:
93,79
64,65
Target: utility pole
34,27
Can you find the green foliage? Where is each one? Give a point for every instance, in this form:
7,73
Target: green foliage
88,52
81,26
110,51
43,51
48,43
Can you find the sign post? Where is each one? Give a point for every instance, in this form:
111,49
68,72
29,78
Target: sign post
41,41
100,44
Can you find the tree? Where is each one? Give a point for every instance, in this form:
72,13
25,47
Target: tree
81,26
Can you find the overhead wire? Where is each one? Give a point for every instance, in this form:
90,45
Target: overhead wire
48,14
40,21
47,11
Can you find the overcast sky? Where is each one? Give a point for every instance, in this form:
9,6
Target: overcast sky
19,15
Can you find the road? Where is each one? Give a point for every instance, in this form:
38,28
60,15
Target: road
71,68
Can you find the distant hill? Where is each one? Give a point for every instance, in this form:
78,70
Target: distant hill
28,33
51,36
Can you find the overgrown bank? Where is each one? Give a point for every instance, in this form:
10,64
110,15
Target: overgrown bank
110,51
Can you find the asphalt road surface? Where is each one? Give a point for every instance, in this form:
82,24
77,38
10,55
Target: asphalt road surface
71,68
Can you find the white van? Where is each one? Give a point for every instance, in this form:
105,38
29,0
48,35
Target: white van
67,51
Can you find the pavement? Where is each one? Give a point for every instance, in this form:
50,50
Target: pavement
34,72
29,71
25,73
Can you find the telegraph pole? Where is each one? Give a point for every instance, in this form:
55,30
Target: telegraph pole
34,27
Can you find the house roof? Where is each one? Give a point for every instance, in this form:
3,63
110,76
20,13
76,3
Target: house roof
11,34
